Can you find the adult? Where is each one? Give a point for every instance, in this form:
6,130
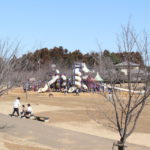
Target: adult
16,106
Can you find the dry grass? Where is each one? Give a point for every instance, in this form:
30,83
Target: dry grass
73,108
70,111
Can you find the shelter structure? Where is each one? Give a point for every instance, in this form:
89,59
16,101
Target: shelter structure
123,67
98,78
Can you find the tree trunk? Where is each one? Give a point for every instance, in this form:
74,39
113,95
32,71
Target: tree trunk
121,144
121,147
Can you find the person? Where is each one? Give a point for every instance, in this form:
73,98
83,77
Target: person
110,97
110,90
102,87
24,88
65,90
77,92
23,112
29,110
16,106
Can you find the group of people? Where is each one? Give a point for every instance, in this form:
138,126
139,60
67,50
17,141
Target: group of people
25,112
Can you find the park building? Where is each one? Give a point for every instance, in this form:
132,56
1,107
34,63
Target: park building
123,67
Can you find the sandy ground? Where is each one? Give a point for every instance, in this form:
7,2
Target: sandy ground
76,113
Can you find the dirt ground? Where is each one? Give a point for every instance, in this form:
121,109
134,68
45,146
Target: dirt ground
21,147
78,113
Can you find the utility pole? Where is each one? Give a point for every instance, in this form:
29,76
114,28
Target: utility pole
39,63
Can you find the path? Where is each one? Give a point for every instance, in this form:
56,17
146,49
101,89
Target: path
56,138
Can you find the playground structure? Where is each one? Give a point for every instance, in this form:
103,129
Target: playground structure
53,80
77,79
80,79
80,69
46,87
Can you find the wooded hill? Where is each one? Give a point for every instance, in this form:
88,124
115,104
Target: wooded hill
65,59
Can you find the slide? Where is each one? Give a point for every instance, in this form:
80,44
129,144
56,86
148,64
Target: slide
77,78
64,80
72,89
53,80
84,87
84,68
64,77
43,89
77,73
78,84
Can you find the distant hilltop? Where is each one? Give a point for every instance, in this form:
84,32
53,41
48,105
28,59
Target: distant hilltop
65,59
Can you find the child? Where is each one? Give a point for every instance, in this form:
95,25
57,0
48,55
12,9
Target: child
23,112
29,111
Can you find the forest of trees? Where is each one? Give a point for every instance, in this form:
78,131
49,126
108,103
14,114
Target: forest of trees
65,59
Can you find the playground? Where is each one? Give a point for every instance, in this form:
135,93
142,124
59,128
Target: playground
71,112
81,79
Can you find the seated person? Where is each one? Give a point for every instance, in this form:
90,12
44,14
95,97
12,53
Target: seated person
29,111
23,112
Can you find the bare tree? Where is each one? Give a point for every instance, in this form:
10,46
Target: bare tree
127,108
8,50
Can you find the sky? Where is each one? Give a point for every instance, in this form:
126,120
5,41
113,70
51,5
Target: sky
73,24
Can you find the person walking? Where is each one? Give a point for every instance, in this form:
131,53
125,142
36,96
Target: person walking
16,106
77,92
